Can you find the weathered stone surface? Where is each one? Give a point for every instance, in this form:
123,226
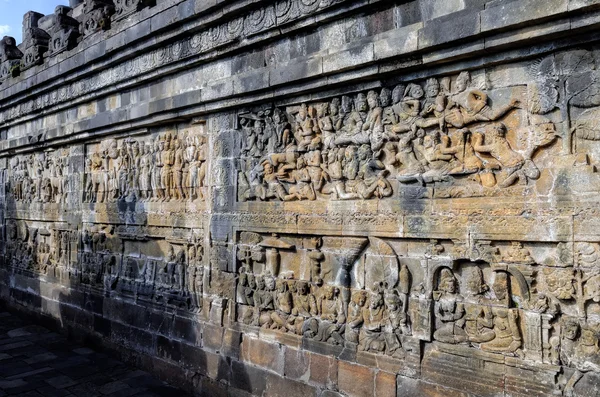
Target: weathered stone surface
311,197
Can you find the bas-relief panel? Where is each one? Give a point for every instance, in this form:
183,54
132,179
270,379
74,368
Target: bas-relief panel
160,266
168,166
447,137
526,303
535,302
348,282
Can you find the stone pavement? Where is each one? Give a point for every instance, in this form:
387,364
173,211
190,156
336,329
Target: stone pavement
37,362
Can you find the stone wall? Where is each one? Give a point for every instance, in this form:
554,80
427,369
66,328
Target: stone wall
312,197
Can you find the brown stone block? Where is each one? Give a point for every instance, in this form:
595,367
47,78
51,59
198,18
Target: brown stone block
323,370
231,343
290,340
210,388
248,378
385,384
278,386
297,364
355,380
410,387
212,337
264,354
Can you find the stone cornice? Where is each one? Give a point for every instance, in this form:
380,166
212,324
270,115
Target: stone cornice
204,42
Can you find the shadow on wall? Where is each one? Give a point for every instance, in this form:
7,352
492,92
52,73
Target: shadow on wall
101,276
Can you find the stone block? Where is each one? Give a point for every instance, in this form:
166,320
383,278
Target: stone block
348,59
323,371
297,364
264,354
502,16
583,4
356,380
296,70
251,81
278,386
397,42
248,378
232,340
432,9
168,349
212,337
455,27
385,384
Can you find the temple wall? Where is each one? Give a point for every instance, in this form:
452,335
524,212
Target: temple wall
311,197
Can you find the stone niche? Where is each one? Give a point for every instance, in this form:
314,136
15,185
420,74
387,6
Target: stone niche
312,198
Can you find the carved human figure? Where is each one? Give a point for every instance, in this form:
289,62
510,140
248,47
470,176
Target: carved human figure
179,272
145,173
97,179
302,188
283,306
315,257
478,316
157,190
178,164
332,322
437,163
326,124
395,324
371,337
266,303
123,169
467,106
307,130
274,189
499,148
411,168
134,170
388,116
516,253
335,170
302,321
584,358
435,102
371,176
507,337
408,111
448,310
166,176
458,144
203,165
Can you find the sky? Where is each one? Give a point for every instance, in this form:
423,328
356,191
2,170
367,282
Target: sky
12,11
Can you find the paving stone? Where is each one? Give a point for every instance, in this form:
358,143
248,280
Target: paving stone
43,363
50,391
84,351
41,358
113,387
61,382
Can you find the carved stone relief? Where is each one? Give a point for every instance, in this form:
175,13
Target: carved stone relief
169,166
39,177
371,146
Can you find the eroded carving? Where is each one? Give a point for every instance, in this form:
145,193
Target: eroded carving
370,146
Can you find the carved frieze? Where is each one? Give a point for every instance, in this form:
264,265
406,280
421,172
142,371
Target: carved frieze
169,166
373,145
203,41
40,177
